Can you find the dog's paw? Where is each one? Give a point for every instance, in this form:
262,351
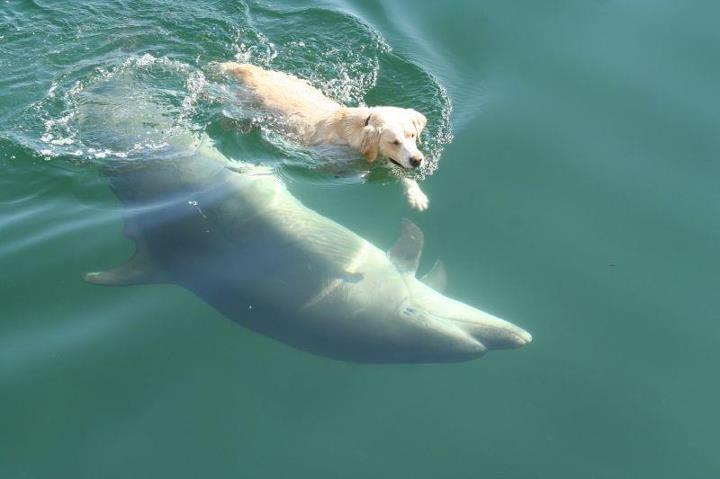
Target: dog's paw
417,198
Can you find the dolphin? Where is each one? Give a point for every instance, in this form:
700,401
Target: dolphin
235,236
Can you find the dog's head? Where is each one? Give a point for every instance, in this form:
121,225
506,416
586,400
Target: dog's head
393,133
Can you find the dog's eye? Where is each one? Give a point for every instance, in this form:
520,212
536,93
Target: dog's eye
396,142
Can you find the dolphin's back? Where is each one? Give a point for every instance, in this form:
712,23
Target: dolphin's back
198,218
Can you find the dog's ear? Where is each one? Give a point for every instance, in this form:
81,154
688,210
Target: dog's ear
370,143
419,121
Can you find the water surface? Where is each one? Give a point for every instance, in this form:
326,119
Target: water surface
573,191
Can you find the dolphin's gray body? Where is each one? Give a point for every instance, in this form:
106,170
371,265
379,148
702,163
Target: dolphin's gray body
249,248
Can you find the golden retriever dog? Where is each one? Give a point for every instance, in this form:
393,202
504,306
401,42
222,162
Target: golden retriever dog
382,131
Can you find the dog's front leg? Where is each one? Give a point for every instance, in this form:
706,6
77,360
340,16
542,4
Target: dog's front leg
414,194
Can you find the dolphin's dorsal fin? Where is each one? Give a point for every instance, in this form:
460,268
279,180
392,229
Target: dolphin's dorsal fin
139,269
405,253
436,278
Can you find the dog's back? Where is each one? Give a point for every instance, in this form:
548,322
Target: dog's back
287,94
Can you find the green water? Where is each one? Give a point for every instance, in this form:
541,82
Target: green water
573,191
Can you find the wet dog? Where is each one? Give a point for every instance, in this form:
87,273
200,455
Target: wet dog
376,132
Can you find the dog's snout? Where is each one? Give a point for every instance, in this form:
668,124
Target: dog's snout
415,161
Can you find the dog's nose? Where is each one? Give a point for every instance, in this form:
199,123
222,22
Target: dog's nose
415,161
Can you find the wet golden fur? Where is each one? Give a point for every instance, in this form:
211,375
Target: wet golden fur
383,131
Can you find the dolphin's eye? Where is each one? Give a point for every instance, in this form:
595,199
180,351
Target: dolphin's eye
410,310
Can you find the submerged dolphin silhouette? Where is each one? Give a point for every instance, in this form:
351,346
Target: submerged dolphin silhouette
239,240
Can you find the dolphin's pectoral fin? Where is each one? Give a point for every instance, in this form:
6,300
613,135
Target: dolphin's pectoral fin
139,269
436,278
405,253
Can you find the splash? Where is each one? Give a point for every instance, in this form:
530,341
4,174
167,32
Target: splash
345,58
